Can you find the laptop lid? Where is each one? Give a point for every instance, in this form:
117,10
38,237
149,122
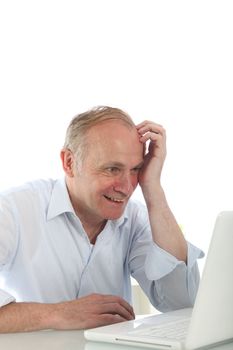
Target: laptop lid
212,316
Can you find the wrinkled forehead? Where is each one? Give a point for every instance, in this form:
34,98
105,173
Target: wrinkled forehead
111,130
114,121
114,138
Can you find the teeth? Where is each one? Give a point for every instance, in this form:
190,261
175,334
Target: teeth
115,199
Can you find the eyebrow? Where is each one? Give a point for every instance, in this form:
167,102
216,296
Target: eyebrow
139,165
112,164
120,165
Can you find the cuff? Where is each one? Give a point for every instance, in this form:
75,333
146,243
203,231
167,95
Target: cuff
194,253
160,263
5,298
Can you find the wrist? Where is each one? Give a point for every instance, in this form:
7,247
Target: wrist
43,313
154,195
54,314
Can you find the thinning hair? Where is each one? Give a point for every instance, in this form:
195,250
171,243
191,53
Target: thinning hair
75,135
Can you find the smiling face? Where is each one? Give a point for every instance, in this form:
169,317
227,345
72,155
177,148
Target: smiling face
101,188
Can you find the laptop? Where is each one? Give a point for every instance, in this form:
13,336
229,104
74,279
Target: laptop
208,323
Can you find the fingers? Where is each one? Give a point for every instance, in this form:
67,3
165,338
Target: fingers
149,123
113,308
108,304
90,311
99,310
156,135
150,131
111,299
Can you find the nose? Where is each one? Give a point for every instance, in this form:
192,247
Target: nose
125,184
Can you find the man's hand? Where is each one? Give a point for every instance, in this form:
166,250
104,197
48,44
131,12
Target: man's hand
150,174
92,311
87,312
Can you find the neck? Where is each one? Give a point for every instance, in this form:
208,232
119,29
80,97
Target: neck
92,226
93,230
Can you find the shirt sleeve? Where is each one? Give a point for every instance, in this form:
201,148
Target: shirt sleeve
174,283
5,298
159,262
8,242
170,284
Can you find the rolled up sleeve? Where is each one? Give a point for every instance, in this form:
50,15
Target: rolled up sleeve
176,283
5,298
159,262
8,243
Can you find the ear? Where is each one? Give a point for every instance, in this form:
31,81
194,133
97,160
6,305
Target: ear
68,161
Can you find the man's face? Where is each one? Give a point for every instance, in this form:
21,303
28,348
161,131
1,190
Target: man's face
109,172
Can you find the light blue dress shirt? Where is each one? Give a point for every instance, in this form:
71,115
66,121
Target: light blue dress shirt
46,256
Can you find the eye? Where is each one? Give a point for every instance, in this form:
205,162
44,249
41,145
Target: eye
113,170
136,170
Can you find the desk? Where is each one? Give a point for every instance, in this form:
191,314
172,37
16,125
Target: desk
63,340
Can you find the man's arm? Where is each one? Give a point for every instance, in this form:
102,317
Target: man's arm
165,230
87,312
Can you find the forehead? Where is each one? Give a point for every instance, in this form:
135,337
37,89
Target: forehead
114,140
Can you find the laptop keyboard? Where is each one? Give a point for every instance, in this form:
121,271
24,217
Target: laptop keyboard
172,330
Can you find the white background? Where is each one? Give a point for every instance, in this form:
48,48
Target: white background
168,61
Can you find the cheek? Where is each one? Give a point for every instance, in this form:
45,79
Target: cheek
102,185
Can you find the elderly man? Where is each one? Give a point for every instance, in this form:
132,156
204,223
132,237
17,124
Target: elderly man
68,247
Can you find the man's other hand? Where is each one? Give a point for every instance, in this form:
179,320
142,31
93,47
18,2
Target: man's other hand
91,311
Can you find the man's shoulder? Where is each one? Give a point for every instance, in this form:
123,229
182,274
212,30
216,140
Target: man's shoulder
40,187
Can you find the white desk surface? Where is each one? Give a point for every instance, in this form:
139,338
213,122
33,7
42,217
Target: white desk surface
62,340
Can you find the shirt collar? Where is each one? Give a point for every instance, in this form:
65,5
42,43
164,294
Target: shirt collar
60,203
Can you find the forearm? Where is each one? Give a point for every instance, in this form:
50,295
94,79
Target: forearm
87,312
165,230
22,317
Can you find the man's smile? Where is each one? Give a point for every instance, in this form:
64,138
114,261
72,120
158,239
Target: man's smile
114,199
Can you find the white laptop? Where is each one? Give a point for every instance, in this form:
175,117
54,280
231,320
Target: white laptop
210,321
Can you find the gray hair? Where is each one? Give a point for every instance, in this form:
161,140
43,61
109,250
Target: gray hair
75,135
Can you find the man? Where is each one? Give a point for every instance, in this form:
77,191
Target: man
68,247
